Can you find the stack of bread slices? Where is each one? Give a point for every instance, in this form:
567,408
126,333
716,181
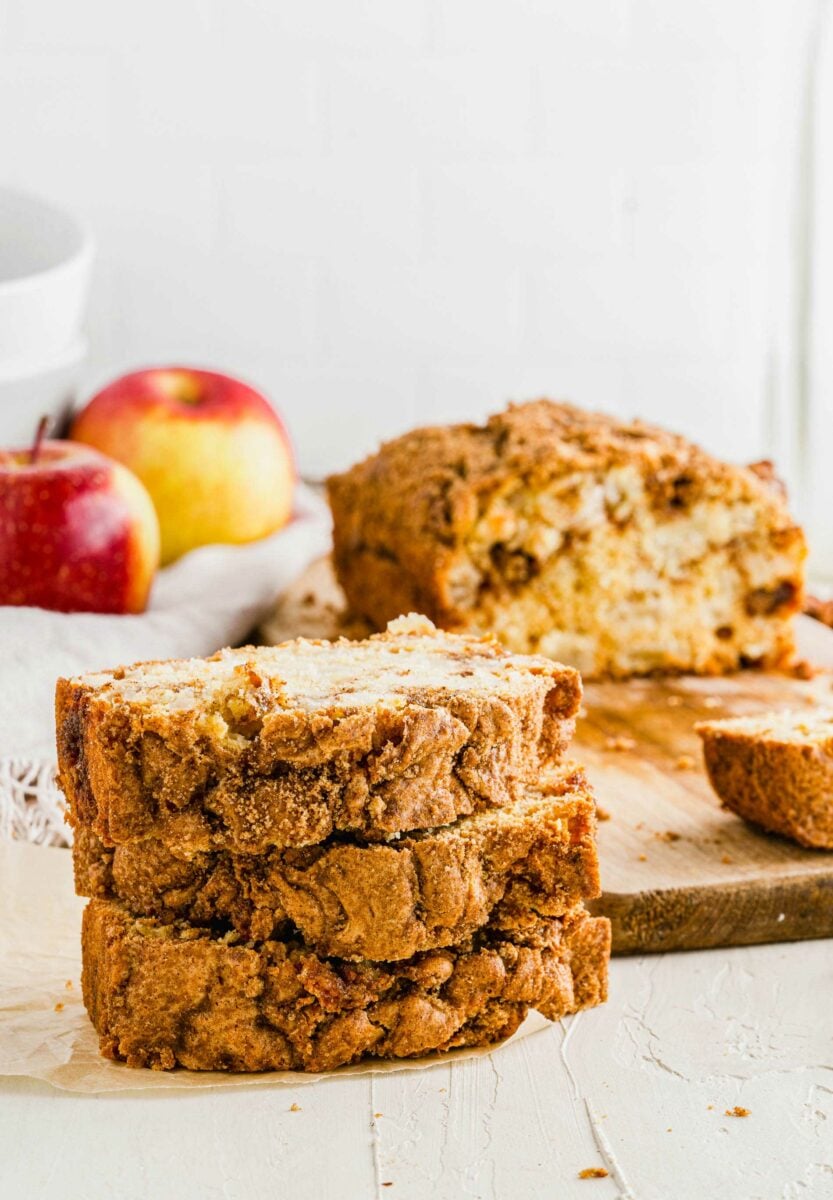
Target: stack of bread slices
303,855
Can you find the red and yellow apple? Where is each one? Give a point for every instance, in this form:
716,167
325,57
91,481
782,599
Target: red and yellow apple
78,532
211,451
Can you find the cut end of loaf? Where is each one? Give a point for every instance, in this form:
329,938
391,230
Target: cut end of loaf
617,547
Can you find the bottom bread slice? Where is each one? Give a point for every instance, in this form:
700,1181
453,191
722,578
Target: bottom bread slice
177,995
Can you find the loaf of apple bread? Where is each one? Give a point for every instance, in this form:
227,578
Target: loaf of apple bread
166,995
776,771
388,901
619,548
285,745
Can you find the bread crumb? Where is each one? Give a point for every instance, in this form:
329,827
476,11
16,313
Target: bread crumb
68,984
737,1111
294,1108
673,701
804,669
710,1107
668,835
726,859
643,858
601,813
377,1115
685,762
593,1173
388,1183
712,702
822,610
59,1007
621,742
669,1130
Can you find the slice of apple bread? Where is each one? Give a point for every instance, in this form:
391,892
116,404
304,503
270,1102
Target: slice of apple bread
360,900
285,745
776,771
177,995
617,547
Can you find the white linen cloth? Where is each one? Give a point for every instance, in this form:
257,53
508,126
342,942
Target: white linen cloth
210,598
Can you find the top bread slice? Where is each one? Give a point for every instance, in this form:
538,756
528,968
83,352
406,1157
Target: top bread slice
285,745
614,546
776,771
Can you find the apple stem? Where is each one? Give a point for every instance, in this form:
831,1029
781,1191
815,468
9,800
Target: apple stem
40,434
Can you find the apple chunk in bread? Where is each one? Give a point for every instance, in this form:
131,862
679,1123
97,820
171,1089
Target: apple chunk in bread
618,548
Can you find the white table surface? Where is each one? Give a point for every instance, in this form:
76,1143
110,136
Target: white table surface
640,1087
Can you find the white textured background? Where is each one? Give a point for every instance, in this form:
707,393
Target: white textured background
392,211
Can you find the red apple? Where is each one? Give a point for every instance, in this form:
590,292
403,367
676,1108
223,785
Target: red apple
78,532
211,451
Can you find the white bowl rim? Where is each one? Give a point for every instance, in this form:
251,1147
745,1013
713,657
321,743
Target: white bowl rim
84,253
14,369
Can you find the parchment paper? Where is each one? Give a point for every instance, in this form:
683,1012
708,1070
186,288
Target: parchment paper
44,1029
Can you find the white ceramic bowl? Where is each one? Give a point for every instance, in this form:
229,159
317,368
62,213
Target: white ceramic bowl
46,258
48,388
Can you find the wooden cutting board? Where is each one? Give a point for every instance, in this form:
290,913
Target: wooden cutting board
678,872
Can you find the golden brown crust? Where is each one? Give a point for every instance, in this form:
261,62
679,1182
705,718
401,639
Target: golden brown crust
166,996
358,901
291,775
475,526
781,784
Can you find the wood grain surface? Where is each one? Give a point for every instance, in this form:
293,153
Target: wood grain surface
678,871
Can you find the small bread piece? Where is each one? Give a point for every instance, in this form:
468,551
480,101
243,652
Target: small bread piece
614,546
175,995
284,745
775,770
385,902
